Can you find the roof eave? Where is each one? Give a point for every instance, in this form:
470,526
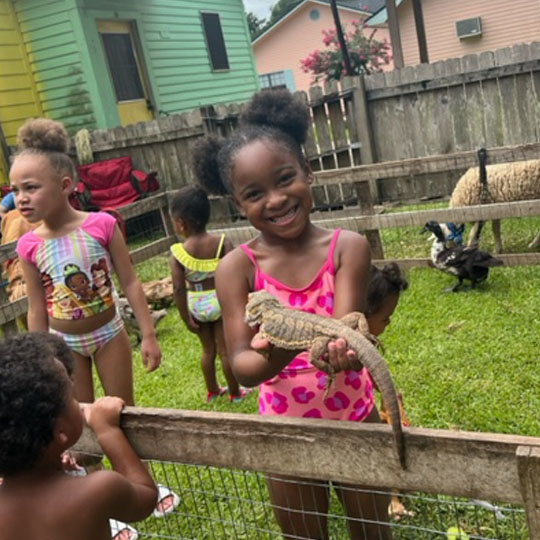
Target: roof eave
286,15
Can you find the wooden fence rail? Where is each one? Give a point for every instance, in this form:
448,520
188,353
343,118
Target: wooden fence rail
503,468
348,219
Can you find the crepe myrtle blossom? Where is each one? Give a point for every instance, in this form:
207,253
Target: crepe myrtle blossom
366,53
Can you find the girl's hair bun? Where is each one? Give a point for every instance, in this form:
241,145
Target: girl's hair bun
43,134
394,276
204,161
279,109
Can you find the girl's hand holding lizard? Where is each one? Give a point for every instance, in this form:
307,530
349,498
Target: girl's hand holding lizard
341,358
150,353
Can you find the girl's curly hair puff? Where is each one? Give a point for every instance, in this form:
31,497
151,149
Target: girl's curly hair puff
204,163
383,283
273,115
46,137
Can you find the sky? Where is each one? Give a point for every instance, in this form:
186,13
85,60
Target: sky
261,8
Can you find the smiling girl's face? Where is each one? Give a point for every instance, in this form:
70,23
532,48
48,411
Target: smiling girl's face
271,188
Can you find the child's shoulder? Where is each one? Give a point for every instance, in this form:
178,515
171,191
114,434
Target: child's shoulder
237,261
353,246
348,237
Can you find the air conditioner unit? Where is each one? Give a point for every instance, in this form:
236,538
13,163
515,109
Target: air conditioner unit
469,28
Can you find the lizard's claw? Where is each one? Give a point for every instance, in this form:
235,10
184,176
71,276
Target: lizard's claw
375,341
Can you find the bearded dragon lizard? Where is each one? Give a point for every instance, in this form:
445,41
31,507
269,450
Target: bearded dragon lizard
297,330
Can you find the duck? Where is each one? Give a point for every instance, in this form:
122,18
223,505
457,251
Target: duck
465,263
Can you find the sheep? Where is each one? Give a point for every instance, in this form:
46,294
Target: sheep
506,182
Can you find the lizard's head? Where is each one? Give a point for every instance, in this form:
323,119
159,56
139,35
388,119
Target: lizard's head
258,303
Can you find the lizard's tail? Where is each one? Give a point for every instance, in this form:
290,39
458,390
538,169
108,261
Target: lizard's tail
380,373
395,420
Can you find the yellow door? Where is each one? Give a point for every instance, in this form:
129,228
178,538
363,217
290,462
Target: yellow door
127,71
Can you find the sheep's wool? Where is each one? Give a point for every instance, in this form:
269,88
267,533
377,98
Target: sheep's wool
507,182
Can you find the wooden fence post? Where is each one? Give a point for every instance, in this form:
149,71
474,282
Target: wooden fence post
9,328
364,131
528,463
365,204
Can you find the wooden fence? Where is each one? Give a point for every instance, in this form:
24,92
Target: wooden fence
502,468
361,218
487,100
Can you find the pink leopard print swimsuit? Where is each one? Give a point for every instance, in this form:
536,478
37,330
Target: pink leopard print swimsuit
299,388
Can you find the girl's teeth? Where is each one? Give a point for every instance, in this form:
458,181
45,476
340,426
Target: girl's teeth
284,217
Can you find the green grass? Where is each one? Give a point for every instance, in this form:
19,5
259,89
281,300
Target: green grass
464,360
407,242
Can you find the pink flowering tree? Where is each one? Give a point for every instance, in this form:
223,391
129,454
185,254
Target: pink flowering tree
367,54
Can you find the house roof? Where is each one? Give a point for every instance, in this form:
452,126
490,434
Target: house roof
361,6
381,16
365,5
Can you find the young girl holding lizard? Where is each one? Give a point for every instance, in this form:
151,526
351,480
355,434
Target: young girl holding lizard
193,266
59,259
308,268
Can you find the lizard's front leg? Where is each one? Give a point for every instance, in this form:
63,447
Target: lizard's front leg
358,322
316,352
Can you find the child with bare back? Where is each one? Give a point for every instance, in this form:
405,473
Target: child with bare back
193,265
39,420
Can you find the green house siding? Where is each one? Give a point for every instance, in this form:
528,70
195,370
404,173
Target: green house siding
73,85
175,52
55,59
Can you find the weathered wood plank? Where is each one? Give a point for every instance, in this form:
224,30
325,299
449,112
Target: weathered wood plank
337,125
528,466
143,206
509,259
130,140
450,80
13,310
476,465
493,116
427,165
320,118
153,249
347,218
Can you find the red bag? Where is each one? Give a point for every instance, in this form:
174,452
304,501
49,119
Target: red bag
112,183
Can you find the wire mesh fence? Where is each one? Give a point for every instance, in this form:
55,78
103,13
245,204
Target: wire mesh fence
223,504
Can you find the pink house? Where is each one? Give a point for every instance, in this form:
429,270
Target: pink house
280,48
459,27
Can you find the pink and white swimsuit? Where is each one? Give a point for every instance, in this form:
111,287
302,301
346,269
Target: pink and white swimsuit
299,388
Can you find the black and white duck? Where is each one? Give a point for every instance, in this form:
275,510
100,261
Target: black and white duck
463,262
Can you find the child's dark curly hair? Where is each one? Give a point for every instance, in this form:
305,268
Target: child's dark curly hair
383,283
191,204
60,349
32,397
274,115
46,137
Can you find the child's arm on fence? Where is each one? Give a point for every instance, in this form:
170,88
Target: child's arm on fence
150,352
180,294
38,319
129,493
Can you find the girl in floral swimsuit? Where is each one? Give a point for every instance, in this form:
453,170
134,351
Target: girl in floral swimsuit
307,268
